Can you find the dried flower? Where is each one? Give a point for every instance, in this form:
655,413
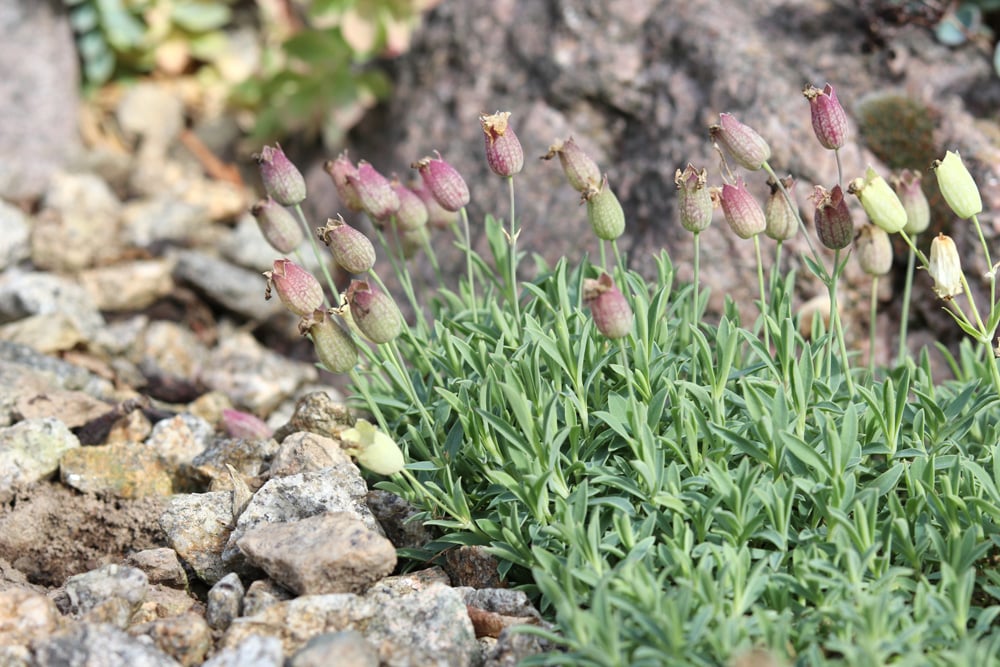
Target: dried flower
277,225
879,201
339,171
743,213
334,346
412,213
282,180
741,141
945,267
781,218
580,169
604,211
503,150
834,225
375,313
828,118
911,194
351,249
443,181
694,201
373,449
608,306
957,186
874,250
374,191
297,288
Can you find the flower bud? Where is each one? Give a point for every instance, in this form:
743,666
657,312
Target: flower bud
746,146
879,201
694,201
334,346
957,186
282,180
339,171
834,225
828,118
351,249
743,213
608,306
277,225
503,150
911,194
412,213
373,449
375,313
604,212
874,250
945,267
374,191
437,216
238,424
580,169
443,181
297,288
781,218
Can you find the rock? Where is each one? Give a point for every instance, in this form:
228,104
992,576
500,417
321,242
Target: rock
161,566
197,526
165,602
186,638
164,217
26,616
18,381
504,601
246,247
347,648
256,650
170,357
98,644
25,294
262,594
151,115
225,602
30,451
73,408
513,648
307,452
249,457
110,594
124,470
395,516
472,566
46,333
55,372
14,240
237,289
327,553
251,375
128,285
39,96
79,225
12,578
318,412
179,440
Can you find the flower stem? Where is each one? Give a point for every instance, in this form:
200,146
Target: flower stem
473,306
872,313
838,330
904,320
763,291
319,258
514,293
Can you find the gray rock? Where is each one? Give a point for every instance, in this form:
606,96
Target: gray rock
237,289
395,515
327,553
26,616
180,439
262,594
504,601
56,372
128,285
39,95
225,602
248,456
120,469
346,649
26,294
14,240
513,648
170,357
256,650
73,408
91,644
152,114
30,451
79,225
197,526
111,594
318,412
161,218
48,334
307,452
246,246
186,637
18,382
161,566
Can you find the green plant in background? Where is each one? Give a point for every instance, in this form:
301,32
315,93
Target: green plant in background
673,490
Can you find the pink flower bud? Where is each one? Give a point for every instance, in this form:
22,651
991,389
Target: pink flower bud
782,219
911,195
873,250
608,306
580,169
282,180
746,146
503,150
828,118
334,346
239,424
694,201
375,313
604,211
834,225
444,182
412,213
277,225
297,288
339,170
743,213
437,216
374,191
351,249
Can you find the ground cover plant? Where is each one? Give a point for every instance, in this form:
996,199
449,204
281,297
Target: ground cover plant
674,488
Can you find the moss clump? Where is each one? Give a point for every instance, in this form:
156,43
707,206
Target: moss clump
899,130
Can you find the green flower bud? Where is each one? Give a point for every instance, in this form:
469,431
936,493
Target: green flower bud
945,267
373,449
334,346
781,218
879,201
604,212
957,186
873,250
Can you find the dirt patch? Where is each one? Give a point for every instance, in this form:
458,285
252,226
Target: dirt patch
50,532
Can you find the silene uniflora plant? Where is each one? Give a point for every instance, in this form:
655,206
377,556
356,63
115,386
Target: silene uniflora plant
672,489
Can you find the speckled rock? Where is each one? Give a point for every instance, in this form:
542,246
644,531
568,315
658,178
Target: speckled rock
394,515
166,602
346,649
160,565
225,601
328,553
307,452
25,294
55,372
178,440
186,638
169,356
98,644
318,412
129,285
30,451
253,649
110,594
73,408
25,616
235,288
78,227
250,457
262,594
14,240
197,526
124,470
472,566
162,217
45,333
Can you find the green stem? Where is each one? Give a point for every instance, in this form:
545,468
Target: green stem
515,297
904,320
872,313
802,225
763,292
399,268
989,262
619,264
473,306
319,258
838,329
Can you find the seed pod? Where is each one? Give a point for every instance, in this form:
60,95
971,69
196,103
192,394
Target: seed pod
297,288
443,181
504,154
828,118
743,213
604,212
412,213
608,306
911,195
741,141
374,191
580,169
339,170
694,201
874,250
277,225
437,216
781,218
334,346
352,250
879,201
834,225
282,180
375,313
